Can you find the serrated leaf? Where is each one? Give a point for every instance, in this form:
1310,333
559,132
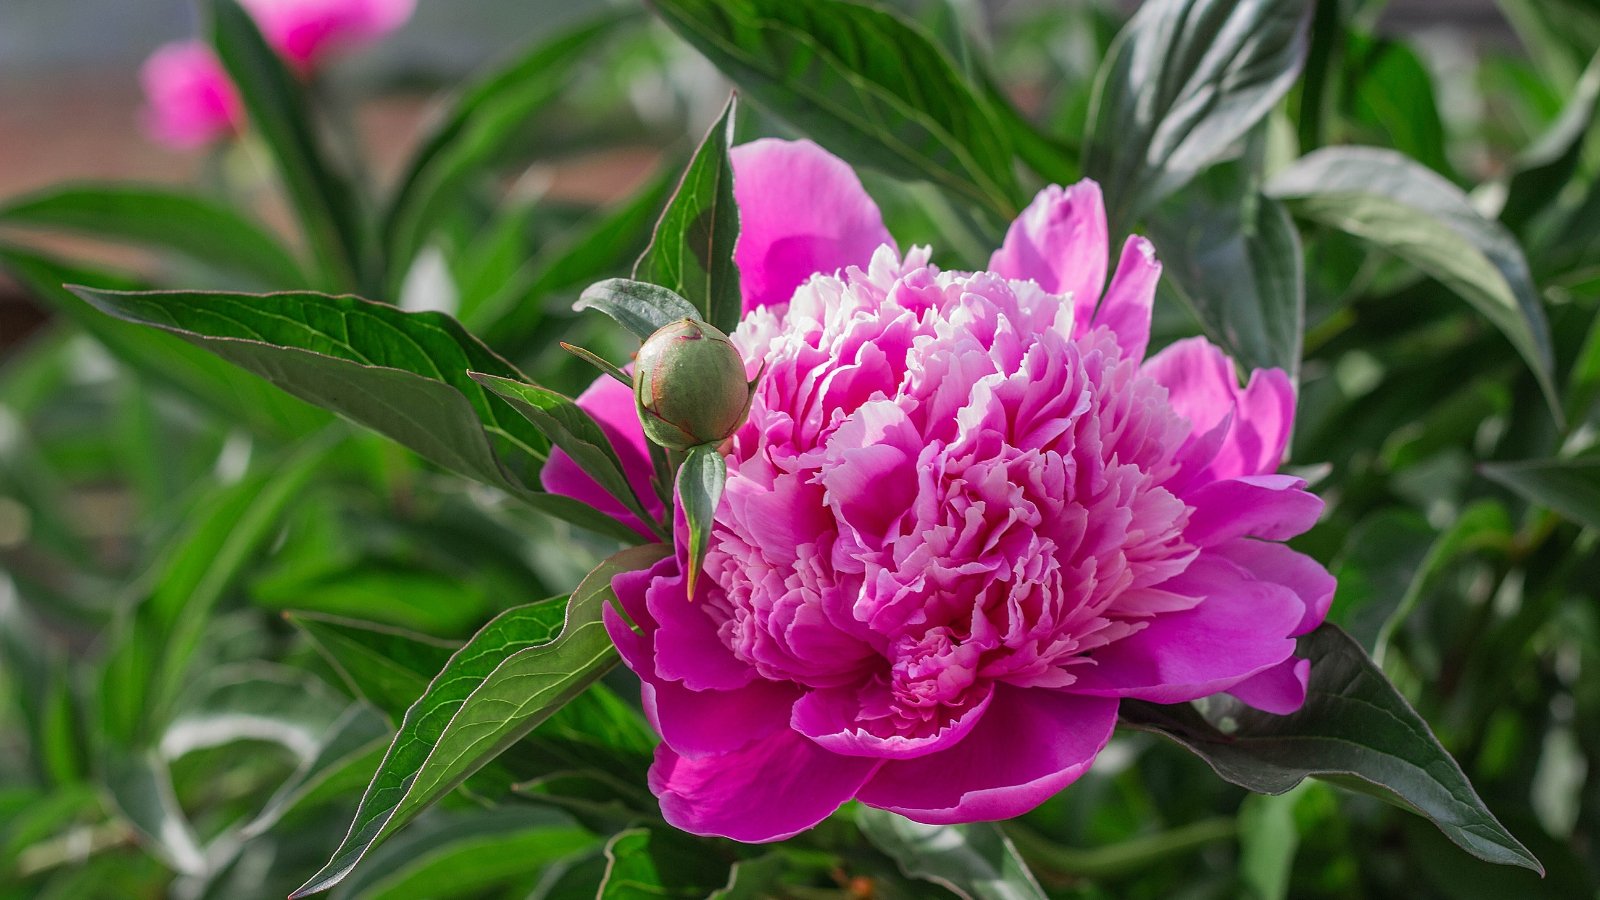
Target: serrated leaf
324,199
640,307
691,252
511,676
476,132
163,219
401,374
975,861
700,481
865,83
574,431
1183,81
1392,202
1355,730
1570,487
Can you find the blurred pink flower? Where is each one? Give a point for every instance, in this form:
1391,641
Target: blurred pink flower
965,517
305,31
189,101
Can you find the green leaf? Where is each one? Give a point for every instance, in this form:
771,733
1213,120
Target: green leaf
1355,730
975,861
401,374
1570,487
637,306
220,387
643,863
471,856
574,431
480,127
325,201
1184,80
163,219
700,481
606,245
865,83
692,250
386,666
511,676
1234,257
1544,168
1390,101
1395,204
149,660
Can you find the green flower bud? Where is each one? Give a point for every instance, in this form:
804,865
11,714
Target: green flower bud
689,386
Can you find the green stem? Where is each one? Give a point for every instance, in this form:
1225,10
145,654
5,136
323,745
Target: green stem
1069,863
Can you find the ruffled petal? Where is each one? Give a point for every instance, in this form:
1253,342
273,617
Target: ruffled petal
1030,744
766,791
832,718
1059,241
1203,387
702,723
1239,628
1128,302
1279,690
802,210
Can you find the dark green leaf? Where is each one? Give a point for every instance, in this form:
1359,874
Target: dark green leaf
637,306
643,863
605,246
476,132
975,861
1571,487
401,374
864,82
222,388
327,205
511,676
148,663
1542,169
1235,258
1355,730
388,667
1386,199
1391,101
700,482
692,250
163,219
574,431
1183,81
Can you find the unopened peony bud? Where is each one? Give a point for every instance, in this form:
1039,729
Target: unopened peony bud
689,386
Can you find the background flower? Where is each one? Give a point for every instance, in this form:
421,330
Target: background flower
306,31
189,101
964,518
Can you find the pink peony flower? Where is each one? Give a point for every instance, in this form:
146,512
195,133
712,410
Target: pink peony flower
965,517
305,31
189,101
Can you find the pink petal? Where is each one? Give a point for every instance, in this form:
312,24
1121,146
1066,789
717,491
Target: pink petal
305,31
1273,507
769,790
1203,387
1239,628
702,723
1130,298
832,718
1279,690
189,100
802,210
611,405
1268,561
1030,744
1060,242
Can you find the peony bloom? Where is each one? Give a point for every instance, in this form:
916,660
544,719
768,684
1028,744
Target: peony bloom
189,101
965,517
305,31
